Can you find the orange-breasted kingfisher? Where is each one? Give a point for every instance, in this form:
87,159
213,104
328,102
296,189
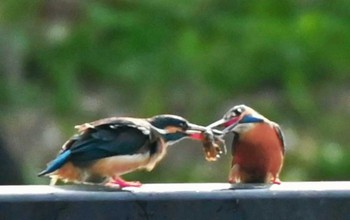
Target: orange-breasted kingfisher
105,149
258,146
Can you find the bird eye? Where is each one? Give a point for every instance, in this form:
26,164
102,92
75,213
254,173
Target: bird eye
184,125
234,113
237,111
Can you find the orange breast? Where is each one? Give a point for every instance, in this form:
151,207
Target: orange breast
259,150
118,165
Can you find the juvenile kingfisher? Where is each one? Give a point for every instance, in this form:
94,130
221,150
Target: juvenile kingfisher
105,149
258,146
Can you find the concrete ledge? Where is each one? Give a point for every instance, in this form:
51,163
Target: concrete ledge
299,200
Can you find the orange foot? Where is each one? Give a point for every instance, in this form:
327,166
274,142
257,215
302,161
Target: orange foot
276,181
120,183
232,181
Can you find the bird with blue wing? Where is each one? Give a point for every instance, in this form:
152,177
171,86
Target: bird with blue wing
258,146
105,149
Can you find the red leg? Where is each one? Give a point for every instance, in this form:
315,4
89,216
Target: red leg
276,180
234,174
122,183
232,181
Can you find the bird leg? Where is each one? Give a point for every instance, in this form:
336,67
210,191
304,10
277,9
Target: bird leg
273,178
122,183
276,180
234,174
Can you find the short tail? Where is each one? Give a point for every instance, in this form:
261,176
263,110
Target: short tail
56,163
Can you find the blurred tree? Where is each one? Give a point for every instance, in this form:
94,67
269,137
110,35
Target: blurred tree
10,172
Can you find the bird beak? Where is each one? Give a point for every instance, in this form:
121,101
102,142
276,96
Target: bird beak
230,127
217,123
227,123
196,131
195,127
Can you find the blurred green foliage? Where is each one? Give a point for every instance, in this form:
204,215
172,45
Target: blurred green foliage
76,61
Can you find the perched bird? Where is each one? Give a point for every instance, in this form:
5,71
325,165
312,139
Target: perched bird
104,150
258,146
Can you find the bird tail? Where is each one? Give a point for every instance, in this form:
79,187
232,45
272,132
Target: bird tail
56,163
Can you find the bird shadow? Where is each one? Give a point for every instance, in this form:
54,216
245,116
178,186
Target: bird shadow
89,188
249,186
102,188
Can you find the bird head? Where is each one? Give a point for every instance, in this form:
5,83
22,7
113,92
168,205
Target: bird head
238,119
173,128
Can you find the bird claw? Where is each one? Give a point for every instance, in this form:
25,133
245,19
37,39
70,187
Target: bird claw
232,181
276,181
120,183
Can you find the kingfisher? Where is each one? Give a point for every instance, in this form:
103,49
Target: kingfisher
258,146
105,149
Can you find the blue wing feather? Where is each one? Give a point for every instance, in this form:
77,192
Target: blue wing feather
56,163
100,142
104,142
281,137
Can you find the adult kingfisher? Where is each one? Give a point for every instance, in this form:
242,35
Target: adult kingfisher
105,149
258,146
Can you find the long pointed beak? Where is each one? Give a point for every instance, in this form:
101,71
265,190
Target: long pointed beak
196,128
217,123
228,124
229,128
196,131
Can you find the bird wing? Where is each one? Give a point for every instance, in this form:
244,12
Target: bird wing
280,136
108,137
115,121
